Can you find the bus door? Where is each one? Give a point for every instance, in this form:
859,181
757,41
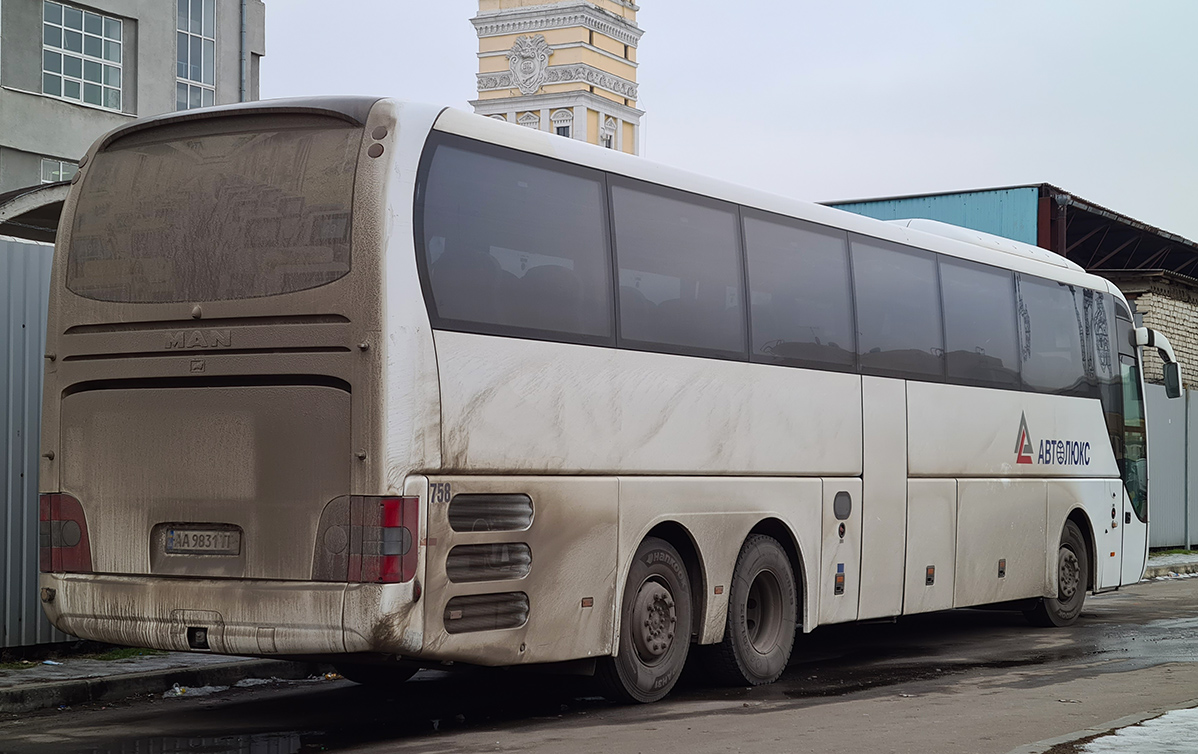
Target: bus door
1133,460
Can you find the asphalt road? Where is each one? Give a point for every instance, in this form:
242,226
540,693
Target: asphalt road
960,681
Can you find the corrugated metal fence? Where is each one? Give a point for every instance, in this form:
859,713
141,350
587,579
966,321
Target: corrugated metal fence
1172,468
24,286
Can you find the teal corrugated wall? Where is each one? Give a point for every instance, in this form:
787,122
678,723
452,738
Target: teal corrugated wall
24,288
1010,213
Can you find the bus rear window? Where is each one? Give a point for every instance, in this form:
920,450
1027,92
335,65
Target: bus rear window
224,209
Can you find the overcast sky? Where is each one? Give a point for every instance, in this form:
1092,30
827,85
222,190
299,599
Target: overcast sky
840,99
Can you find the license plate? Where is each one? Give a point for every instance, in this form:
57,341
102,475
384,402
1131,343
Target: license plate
203,541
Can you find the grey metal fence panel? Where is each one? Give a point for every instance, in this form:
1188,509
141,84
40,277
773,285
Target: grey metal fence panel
24,287
1190,400
1166,468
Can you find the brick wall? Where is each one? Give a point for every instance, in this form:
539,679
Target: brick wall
1173,310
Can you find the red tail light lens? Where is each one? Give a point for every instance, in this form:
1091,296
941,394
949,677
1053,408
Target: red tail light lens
63,544
368,540
388,541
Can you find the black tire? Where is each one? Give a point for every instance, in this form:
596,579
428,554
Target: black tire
377,676
762,611
655,627
1073,569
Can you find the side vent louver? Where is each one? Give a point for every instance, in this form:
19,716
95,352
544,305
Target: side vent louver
486,612
468,513
493,562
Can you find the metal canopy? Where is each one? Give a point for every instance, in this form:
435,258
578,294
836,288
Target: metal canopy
32,213
1100,239
1097,238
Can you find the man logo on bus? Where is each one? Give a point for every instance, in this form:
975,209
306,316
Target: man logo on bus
1023,448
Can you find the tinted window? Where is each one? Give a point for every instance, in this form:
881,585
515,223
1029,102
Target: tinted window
802,310
981,347
1105,348
680,271
1101,348
1052,325
898,311
221,209
515,242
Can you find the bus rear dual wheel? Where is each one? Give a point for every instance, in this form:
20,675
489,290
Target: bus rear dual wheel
1073,567
655,622
762,613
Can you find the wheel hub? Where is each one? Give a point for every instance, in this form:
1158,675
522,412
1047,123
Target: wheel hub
763,613
1068,573
654,621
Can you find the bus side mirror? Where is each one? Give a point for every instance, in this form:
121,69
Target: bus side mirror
1173,379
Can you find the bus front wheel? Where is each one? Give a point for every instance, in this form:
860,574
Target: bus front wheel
1073,567
655,627
762,609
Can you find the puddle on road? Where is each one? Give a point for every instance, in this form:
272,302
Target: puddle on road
833,662
336,717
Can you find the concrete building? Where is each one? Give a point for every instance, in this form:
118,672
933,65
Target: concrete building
563,66
70,71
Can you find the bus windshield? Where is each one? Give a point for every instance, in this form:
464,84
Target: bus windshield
207,211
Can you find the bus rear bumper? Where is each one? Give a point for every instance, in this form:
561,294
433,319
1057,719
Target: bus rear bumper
238,617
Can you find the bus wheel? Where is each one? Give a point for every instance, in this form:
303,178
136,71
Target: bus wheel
1072,568
655,627
762,610
376,676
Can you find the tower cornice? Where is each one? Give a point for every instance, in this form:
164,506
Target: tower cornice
571,13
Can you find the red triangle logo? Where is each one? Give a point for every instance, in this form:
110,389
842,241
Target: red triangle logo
1023,447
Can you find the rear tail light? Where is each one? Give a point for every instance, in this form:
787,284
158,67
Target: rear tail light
368,540
63,544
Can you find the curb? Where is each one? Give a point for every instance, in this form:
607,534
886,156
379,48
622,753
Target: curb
35,696
1041,747
1180,569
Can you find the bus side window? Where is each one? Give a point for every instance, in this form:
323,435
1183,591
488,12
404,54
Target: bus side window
680,271
515,244
800,298
979,324
1051,323
897,295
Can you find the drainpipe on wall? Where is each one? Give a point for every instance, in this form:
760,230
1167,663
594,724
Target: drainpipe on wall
243,53
1062,203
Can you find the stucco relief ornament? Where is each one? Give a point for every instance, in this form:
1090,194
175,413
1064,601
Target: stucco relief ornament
528,60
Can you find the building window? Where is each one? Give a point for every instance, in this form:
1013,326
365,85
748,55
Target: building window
81,55
562,120
195,38
57,170
607,135
530,120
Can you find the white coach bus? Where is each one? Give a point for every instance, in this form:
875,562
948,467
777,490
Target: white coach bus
394,385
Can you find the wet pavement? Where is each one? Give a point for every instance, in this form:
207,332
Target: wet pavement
1132,651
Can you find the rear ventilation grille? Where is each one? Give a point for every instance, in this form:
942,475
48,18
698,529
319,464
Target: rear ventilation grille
493,562
486,612
469,513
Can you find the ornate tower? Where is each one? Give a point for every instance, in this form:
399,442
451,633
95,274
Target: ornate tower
563,66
